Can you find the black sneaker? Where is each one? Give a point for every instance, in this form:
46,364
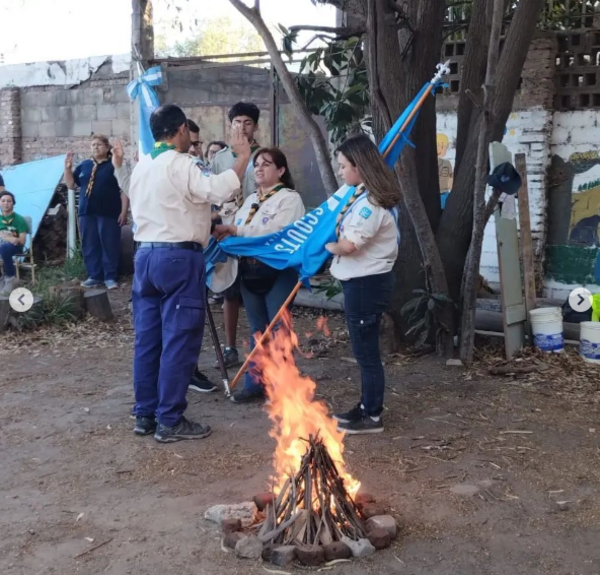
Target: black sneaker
365,424
347,416
230,356
185,429
144,425
201,383
247,396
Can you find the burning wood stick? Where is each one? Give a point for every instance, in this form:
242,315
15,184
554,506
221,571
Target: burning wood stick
313,507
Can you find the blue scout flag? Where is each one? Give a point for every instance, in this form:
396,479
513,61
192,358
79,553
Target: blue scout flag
141,88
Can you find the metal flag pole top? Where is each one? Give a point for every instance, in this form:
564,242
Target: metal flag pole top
442,70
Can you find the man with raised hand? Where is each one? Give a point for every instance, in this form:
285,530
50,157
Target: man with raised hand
171,206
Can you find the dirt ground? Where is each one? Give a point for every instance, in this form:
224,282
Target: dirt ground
472,496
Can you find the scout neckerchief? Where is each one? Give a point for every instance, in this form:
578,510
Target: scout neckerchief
88,190
357,194
256,206
8,222
160,148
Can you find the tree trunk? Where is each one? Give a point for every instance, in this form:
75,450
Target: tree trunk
97,304
471,275
417,173
454,232
289,85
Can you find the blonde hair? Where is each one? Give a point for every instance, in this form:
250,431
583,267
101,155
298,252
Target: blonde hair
377,177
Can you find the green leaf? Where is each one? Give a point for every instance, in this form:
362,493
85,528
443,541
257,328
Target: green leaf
410,305
442,297
417,327
421,338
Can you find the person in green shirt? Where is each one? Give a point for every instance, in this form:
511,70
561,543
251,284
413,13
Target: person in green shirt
13,231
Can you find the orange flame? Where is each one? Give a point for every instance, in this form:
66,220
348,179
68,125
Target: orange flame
293,410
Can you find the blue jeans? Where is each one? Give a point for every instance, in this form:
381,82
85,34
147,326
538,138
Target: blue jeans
101,246
7,251
365,300
169,303
261,309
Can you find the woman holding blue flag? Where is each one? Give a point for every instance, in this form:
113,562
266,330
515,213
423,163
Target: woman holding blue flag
264,289
364,256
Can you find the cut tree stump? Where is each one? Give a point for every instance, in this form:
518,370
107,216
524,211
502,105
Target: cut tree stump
74,293
4,312
97,304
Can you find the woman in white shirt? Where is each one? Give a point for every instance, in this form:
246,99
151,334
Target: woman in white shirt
264,289
364,256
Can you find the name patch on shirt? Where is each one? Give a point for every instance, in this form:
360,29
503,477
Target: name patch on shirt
365,213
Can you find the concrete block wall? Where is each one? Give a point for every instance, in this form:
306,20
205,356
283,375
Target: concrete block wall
55,120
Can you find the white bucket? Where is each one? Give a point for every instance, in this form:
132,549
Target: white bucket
545,313
589,341
547,328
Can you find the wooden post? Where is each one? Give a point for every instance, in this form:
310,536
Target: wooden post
4,312
98,304
511,287
526,242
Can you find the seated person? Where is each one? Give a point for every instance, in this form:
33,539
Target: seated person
13,231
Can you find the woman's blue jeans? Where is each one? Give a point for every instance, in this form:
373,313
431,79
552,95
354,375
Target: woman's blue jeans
365,300
261,309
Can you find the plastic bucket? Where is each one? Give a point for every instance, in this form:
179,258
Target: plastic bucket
589,341
547,328
545,313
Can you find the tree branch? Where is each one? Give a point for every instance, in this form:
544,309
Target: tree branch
471,275
291,89
341,33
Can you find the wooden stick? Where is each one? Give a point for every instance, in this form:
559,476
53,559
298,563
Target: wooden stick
265,335
273,534
93,548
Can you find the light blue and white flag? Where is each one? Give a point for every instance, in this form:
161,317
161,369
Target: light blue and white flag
142,89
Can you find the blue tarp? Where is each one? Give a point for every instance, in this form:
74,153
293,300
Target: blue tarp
33,185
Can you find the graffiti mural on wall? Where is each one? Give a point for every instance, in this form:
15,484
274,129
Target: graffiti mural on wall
585,199
446,150
574,217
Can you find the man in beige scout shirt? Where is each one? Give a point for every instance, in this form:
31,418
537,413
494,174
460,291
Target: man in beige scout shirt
171,204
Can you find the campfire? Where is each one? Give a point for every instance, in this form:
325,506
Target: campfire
313,507
313,512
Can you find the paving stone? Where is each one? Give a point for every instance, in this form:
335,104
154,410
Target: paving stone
380,538
231,539
361,548
310,555
386,522
262,500
337,550
231,525
283,555
249,547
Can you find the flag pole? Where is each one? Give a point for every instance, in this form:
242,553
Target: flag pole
442,70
